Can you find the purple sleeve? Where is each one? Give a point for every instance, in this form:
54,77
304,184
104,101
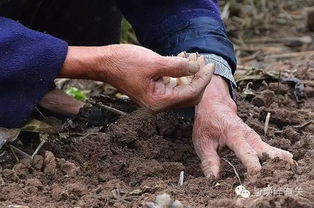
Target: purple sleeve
171,26
29,63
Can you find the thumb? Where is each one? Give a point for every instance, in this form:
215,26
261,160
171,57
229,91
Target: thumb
177,67
187,95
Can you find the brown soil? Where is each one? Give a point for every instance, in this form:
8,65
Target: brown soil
141,155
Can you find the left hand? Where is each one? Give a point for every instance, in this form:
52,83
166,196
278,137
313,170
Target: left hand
217,125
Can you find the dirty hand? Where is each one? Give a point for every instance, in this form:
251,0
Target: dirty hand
217,125
138,72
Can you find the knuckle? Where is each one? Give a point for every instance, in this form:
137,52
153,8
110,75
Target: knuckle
157,103
287,154
170,62
251,154
256,169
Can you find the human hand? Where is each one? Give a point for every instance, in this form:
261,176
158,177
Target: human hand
217,125
138,72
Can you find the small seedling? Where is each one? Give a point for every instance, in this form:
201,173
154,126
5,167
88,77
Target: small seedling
266,123
76,93
181,178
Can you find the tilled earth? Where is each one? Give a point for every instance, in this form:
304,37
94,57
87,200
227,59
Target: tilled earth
141,156
131,161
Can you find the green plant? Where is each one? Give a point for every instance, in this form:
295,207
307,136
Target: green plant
76,93
127,33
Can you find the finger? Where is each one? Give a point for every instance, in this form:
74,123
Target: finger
206,150
210,163
201,61
274,152
177,67
246,154
183,54
261,147
283,154
193,56
188,95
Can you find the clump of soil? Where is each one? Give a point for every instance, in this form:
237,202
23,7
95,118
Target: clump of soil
141,156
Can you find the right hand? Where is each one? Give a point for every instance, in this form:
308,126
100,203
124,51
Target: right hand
138,72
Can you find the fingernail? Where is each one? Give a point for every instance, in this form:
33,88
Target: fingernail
193,67
193,57
182,54
201,58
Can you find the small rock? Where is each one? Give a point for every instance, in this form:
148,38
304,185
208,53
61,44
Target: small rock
34,182
10,175
264,99
291,134
163,200
21,170
76,189
50,163
26,162
38,162
308,141
177,204
68,168
59,193
151,205
173,168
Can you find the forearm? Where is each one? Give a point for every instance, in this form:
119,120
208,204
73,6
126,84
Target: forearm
84,62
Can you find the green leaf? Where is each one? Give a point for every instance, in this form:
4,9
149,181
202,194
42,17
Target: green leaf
76,93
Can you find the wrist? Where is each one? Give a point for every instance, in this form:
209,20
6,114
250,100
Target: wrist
82,63
217,91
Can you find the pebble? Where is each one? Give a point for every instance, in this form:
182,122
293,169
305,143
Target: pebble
163,200
177,204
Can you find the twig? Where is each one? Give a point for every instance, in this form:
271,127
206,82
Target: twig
225,11
38,148
304,39
246,68
250,57
20,151
289,55
15,156
234,169
111,109
266,123
278,89
40,113
303,125
181,178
